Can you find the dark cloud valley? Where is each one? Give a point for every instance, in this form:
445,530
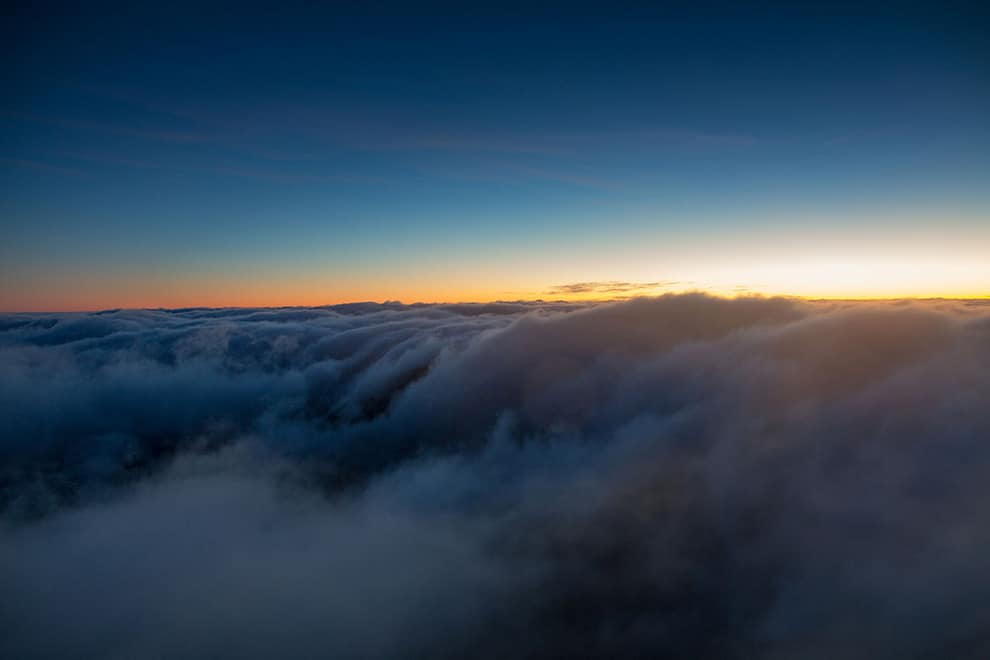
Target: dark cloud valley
683,476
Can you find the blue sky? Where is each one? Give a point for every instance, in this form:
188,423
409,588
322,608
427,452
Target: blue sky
208,154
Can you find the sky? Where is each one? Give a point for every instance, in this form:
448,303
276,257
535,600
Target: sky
217,155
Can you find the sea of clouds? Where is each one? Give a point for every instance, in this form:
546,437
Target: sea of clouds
682,477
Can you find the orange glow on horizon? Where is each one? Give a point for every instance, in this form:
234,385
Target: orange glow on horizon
865,269
213,296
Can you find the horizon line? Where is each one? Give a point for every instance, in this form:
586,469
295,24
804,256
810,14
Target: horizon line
518,301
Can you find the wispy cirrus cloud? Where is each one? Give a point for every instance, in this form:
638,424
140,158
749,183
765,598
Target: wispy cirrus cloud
610,287
40,166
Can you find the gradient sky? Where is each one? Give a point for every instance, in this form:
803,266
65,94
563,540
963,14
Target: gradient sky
216,155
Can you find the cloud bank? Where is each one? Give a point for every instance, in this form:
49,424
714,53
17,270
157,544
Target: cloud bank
683,476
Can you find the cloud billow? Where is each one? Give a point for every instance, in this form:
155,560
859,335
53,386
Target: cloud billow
682,476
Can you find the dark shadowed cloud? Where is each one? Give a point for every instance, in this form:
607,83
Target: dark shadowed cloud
683,476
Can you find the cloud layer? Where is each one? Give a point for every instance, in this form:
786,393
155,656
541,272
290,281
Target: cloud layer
683,476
